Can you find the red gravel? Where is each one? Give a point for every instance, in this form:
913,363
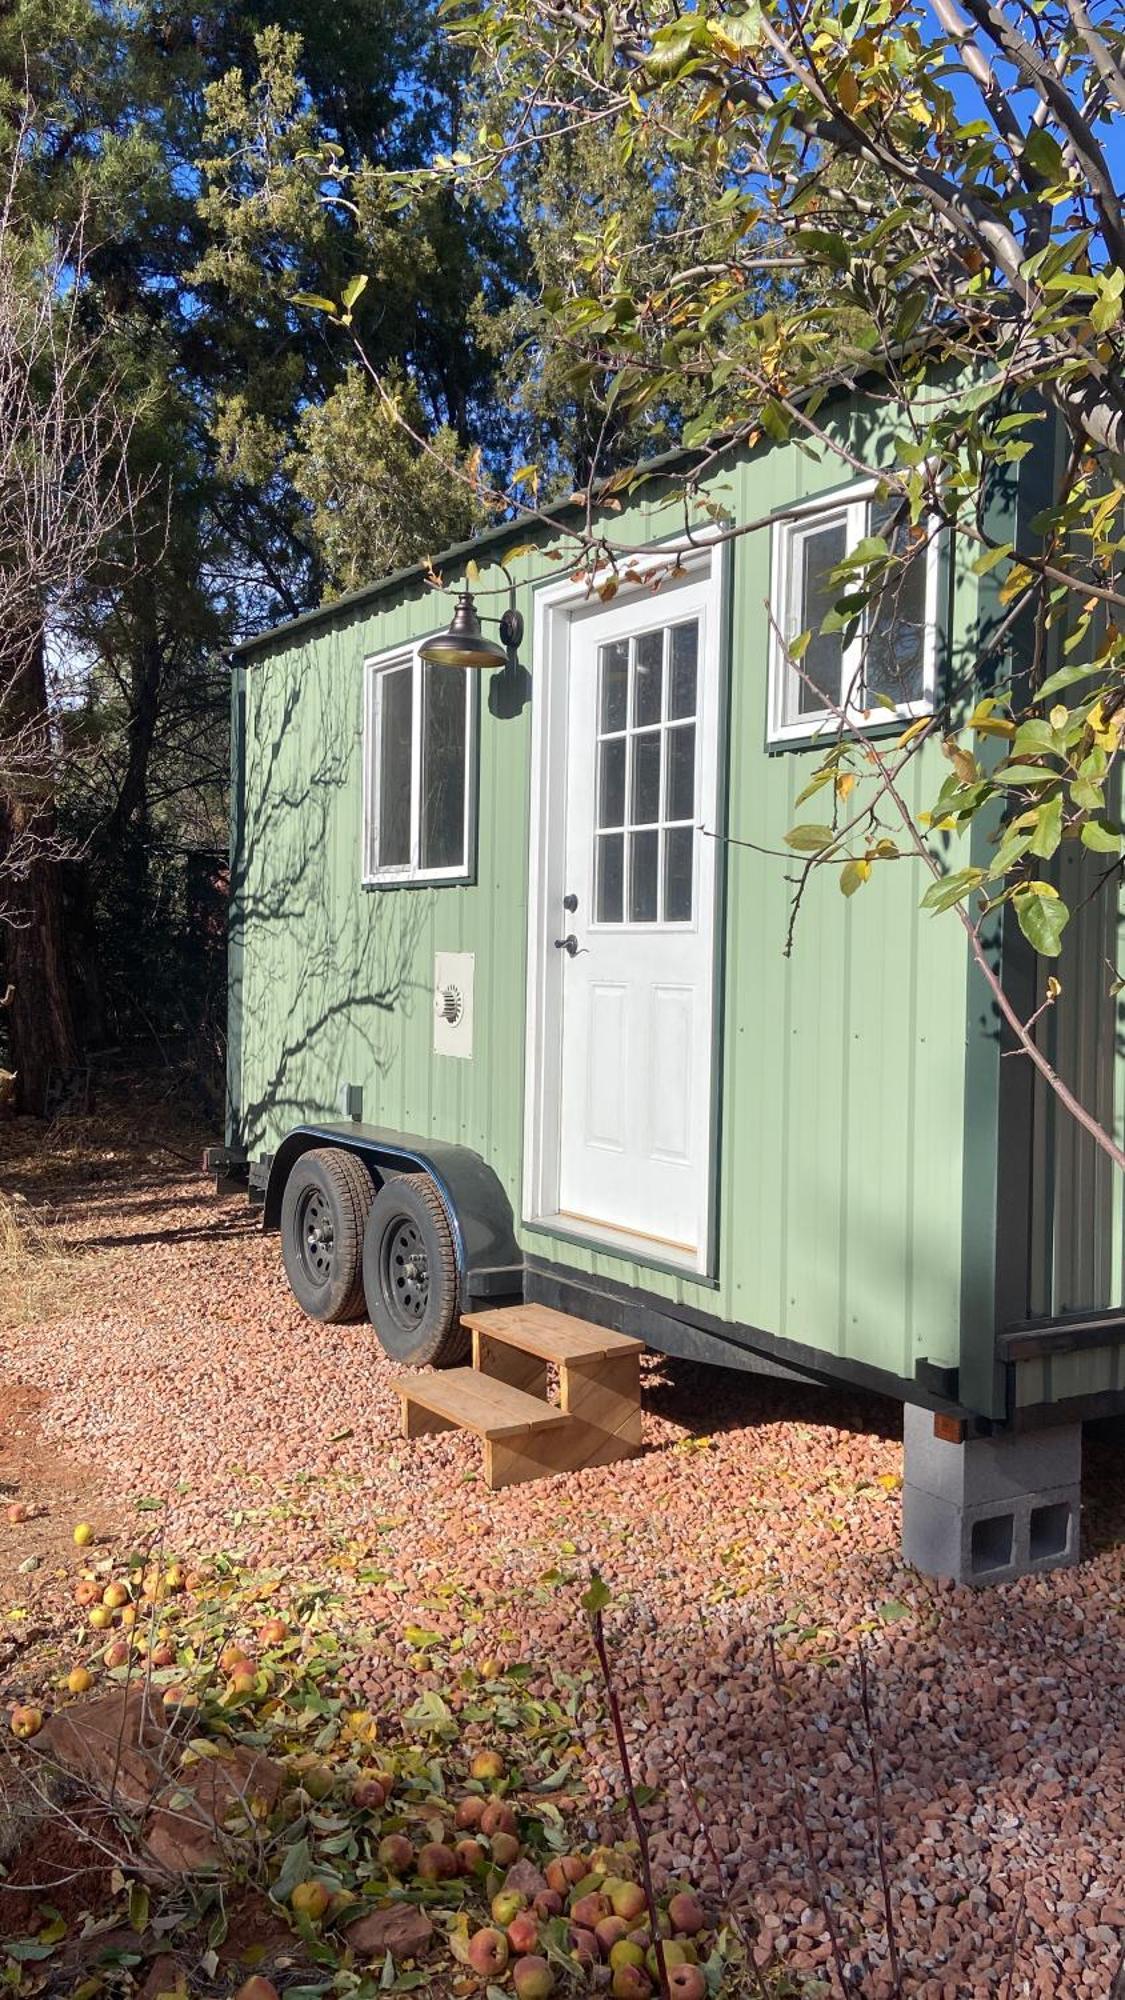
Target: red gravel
183,1370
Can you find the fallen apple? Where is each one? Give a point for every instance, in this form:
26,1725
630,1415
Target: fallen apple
368,1795
584,1945
607,1931
396,1853
471,1857
80,1680
532,1978
25,1721
115,1595
116,1654
101,1617
685,1913
232,1656
687,1982
180,1697
257,1988
625,1952
469,1813
309,1899
163,1655
631,1982
18,1512
506,1905
628,1900
488,1953
589,1910
487,1767
436,1862
83,1535
87,1591
523,1932
505,1849
273,1633
548,1903
498,1818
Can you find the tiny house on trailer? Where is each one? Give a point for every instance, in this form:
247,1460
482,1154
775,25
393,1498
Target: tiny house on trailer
515,1048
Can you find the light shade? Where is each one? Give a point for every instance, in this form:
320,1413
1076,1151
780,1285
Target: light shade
464,645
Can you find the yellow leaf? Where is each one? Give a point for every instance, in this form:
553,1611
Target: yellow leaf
1059,716
847,91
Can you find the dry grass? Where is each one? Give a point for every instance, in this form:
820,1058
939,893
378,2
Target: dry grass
36,1270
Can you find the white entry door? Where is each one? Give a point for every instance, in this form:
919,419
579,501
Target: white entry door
632,936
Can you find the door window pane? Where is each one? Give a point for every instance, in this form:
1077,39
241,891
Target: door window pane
613,709
682,670
443,768
645,802
648,676
644,861
611,783
679,802
609,901
394,735
679,854
820,675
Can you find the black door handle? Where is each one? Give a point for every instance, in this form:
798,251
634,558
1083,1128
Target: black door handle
569,944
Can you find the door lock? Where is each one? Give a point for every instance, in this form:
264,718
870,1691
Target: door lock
570,901
569,944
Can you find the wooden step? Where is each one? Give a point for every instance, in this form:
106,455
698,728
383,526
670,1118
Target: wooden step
550,1335
462,1399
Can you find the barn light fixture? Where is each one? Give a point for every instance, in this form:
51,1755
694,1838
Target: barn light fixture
465,645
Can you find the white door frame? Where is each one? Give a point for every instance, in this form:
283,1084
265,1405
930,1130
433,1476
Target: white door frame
556,607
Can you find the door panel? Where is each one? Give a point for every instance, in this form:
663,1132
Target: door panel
635,969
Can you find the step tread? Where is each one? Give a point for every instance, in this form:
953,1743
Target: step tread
553,1336
479,1404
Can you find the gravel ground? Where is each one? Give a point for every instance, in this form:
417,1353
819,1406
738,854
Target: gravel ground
176,1366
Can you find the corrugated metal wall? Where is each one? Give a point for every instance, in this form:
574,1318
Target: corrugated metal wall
843,1067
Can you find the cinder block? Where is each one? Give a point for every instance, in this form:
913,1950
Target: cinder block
995,1541
986,1469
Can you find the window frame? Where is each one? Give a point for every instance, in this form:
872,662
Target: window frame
411,873
852,504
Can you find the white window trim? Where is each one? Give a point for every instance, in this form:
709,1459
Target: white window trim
403,874
850,503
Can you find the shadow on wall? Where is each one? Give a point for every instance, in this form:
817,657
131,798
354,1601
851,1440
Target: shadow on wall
322,965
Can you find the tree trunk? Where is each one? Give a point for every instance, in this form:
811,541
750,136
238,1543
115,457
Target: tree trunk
41,1026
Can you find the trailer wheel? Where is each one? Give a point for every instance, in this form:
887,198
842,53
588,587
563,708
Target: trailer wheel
410,1275
323,1212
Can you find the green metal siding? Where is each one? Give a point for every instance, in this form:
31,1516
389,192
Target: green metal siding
842,1172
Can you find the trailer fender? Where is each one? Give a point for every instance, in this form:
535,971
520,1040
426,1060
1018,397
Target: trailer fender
489,1260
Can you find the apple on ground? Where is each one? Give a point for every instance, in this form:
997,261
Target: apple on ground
437,1862
685,1913
309,1899
487,1767
471,1857
115,1595
257,1988
163,1655
25,1721
273,1632
116,1654
532,1978
83,1535
625,1952
180,1697
488,1952
368,1795
80,1680
507,1904
87,1591
584,1945
498,1818
100,1617
589,1910
18,1513
687,1982
469,1814
628,1900
548,1903
631,1982
505,1849
523,1932
676,1952
608,1930
396,1853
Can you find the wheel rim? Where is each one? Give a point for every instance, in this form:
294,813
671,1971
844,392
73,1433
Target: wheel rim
316,1236
405,1272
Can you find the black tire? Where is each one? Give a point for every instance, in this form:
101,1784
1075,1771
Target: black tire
323,1213
410,1275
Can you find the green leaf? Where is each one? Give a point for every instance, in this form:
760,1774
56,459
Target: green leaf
138,1906
809,838
353,290
1043,917
1048,828
315,302
1064,678
1100,838
952,889
1026,774
597,1597
296,1867
892,1609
